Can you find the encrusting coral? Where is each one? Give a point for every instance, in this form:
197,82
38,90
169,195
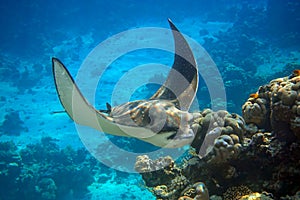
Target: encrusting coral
258,156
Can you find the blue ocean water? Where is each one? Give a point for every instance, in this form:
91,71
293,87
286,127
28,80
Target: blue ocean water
42,156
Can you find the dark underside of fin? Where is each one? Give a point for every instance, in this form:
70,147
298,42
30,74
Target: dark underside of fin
182,81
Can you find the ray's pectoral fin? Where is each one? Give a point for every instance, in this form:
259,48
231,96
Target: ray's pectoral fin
182,81
73,102
180,89
80,110
83,113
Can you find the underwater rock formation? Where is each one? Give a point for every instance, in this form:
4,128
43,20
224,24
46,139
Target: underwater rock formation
219,138
162,170
44,171
219,134
198,190
276,107
12,124
10,169
253,159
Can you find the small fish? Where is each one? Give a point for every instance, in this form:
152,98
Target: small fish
254,95
295,73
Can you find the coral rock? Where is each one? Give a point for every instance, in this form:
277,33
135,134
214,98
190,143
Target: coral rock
255,111
236,192
212,125
277,107
145,164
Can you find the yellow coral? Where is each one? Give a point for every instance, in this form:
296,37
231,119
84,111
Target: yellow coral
253,196
185,198
161,190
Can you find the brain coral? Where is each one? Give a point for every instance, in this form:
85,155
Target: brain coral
214,124
276,106
219,135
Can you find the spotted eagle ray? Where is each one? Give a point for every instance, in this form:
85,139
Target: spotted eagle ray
162,120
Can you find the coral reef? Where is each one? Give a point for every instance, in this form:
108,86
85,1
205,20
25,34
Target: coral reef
10,169
253,159
219,138
218,134
276,107
236,192
163,170
43,171
256,196
12,124
198,190
243,50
